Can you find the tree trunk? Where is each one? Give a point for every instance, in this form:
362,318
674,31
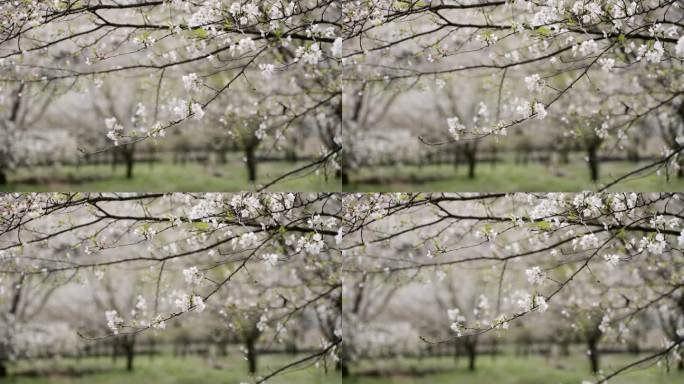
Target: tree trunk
471,347
3,177
129,348
593,162
342,363
593,356
292,155
344,177
343,368
130,354
471,157
129,164
251,163
3,368
251,355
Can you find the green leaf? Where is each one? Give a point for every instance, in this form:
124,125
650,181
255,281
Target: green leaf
544,31
544,225
200,33
202,226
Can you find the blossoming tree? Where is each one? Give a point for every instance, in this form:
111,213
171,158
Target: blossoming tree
257,262
187,58
597,72
600,266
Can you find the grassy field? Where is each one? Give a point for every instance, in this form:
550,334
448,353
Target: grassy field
506,370
164,178
163,370
505,177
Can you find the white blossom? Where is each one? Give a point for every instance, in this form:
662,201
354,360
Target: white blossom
193,276
612,260
535,275
534,83
270,259
655,54
336,49
540,302
606,64
190,82
679,50
311,55
198,302
114,321
197,111
455,127
267,70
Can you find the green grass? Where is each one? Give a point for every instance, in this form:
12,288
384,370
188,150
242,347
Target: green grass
164,177
168,370
511,370
506,177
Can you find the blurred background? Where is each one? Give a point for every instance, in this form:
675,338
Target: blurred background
64,147
400,142
135,105
435,103
57,336
401,334
129,299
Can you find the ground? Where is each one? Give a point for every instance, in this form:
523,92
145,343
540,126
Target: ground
166,370
165,177
506,370
505,177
